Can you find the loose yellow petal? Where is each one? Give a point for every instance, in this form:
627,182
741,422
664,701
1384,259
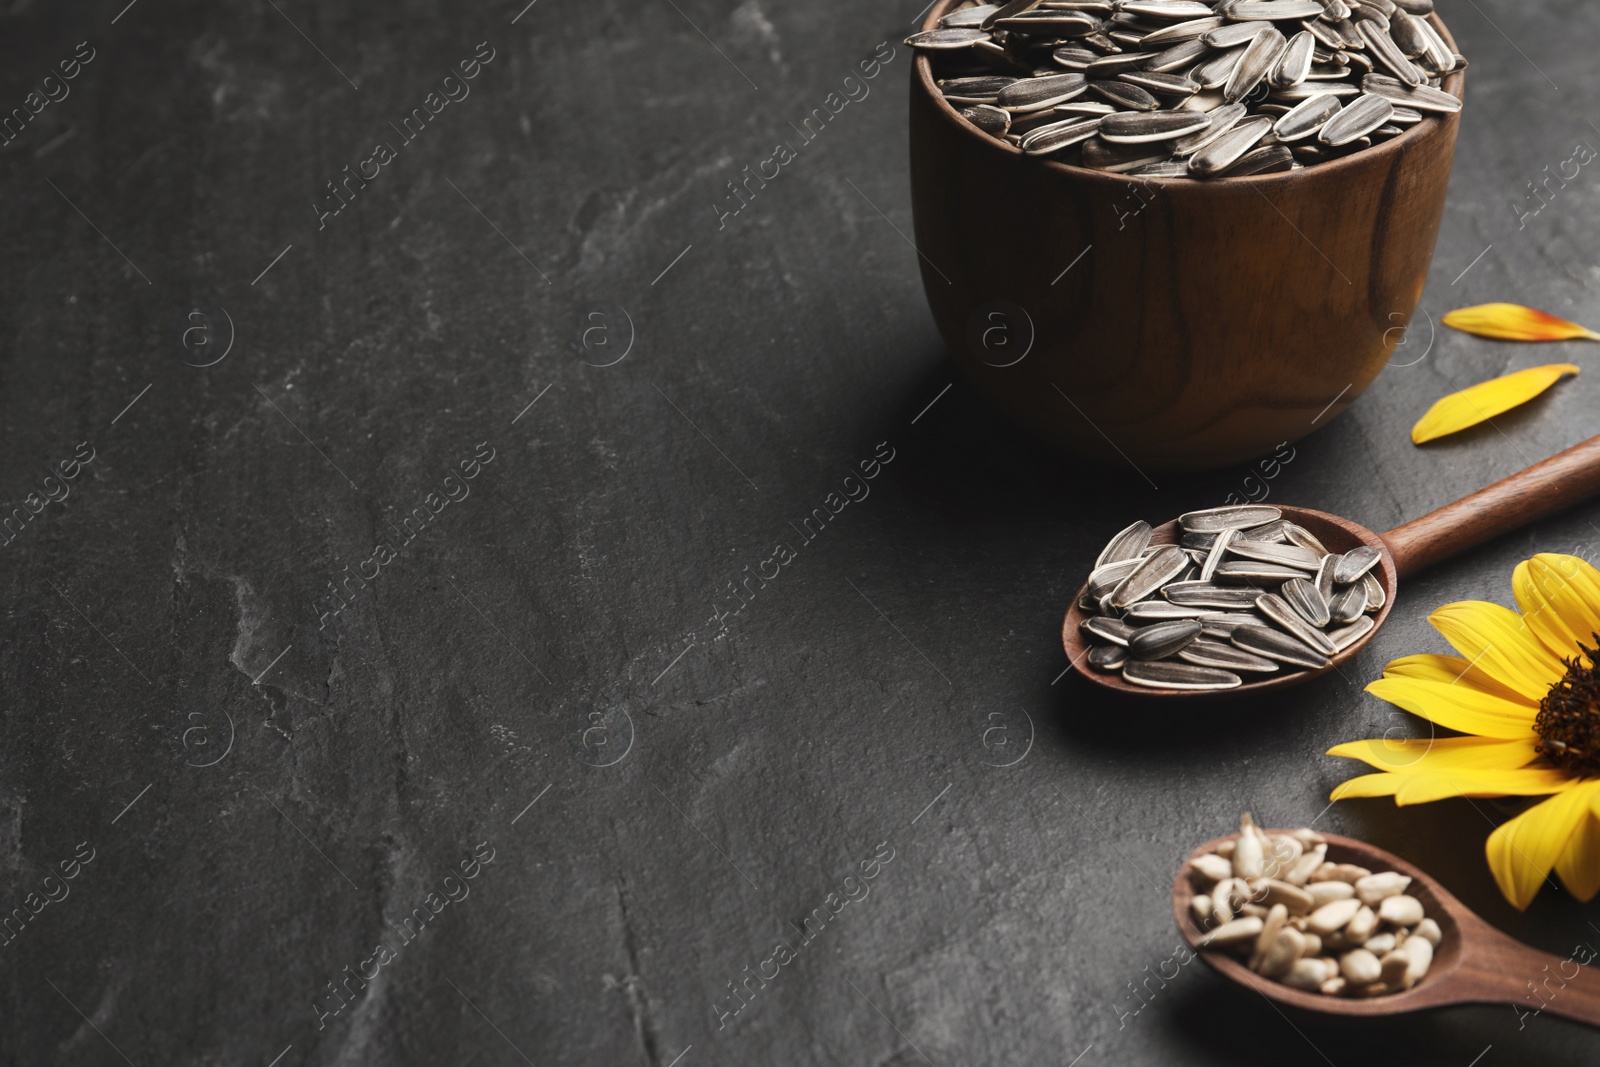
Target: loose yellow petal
1368,785
1560,600
1578,866
1522,852
1451,670
1459,707
1494,639
1437,785
1485,400
1513,322
1419,755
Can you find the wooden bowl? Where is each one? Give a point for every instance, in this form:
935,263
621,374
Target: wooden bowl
1171,323
1336,534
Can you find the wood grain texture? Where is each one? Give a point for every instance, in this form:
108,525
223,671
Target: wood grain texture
1337,534
1473,964
1205,322
1543,489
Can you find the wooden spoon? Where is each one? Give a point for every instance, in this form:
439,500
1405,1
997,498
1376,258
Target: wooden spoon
1543,489
1473,964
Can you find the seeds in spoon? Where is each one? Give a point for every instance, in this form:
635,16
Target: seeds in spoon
1355,563
1162,639
1163,674
1275,644
1215,520
1304,598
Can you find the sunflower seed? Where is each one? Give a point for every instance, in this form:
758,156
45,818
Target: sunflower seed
1376,596
1235,34
988,118
1346,636
1295,62
968,18
1166,10
1215,72
979,90
1206,595
1182,31
1112,66
1158,675
1153,572
1415,7
1162,639
1286,555
1358,118
1307,89
1274,644
934,40
1109,658
1129,543
1083,107
1222,624
1140,127
1050,23
1148,611
1304,538
1303,597
1438,58
1124,95
1260,55
1409,37
1215,554
1405,116
1034,94
1237,571
1416,97
1274,10
1268,159
1121,158
1220,122
1179,55
1324,579
1007,10
1349,604
1275,608
1103,580
1073,57
1326,35
1239,516
1354,563
1222,153
1059,135
1113,630
1165,84
1205,652
1382,48
1198,540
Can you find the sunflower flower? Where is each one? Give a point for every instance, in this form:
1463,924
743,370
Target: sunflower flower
1525,697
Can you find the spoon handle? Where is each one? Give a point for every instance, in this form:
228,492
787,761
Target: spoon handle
1534,983
1542,489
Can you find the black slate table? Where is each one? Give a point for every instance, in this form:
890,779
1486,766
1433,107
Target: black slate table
512,583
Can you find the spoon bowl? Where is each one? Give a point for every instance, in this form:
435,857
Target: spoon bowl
1473,964
1543,489
1336,534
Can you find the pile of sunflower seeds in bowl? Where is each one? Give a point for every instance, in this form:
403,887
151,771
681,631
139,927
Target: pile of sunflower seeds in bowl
1244,592
1192,88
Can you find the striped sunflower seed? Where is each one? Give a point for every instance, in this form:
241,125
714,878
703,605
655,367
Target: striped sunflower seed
1102,628
1153,572
1035,94
1277,645
1222,624
1059,135
1357,119
1376,597
1355,563
1162,639
1305,118
988,118
1124,95
937,40
1182,31
1108,658
1268,159
1294,63
969,18
1235,34
1287,555
1239,516
1164,84
1073,58
1206,652
1381,46
1171,168
1129,543
1349,604
1008,10
1178,56
1273,10
1166,10
1222,153
1216,554
979,90
1235,571
1215,72
1299,535
1121,158
1168,675
1140,127
1220,122
1346,636
1260,56
1104,579
1277,609
1050,23
1304,598
1416,97
1207,595
1324,579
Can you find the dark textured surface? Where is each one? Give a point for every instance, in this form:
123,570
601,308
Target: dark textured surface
165,616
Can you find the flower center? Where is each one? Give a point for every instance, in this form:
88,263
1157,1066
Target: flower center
1568,723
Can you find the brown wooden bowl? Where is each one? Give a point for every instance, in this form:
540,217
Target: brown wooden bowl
1335,533
1473,964
1171,323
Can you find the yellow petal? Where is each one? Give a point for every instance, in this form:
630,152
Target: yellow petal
1419,755
1451,670
1560,600
1522,852
1485,400
1578,866
1513,322
1437,785
1368,785
1459,707
1494,639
